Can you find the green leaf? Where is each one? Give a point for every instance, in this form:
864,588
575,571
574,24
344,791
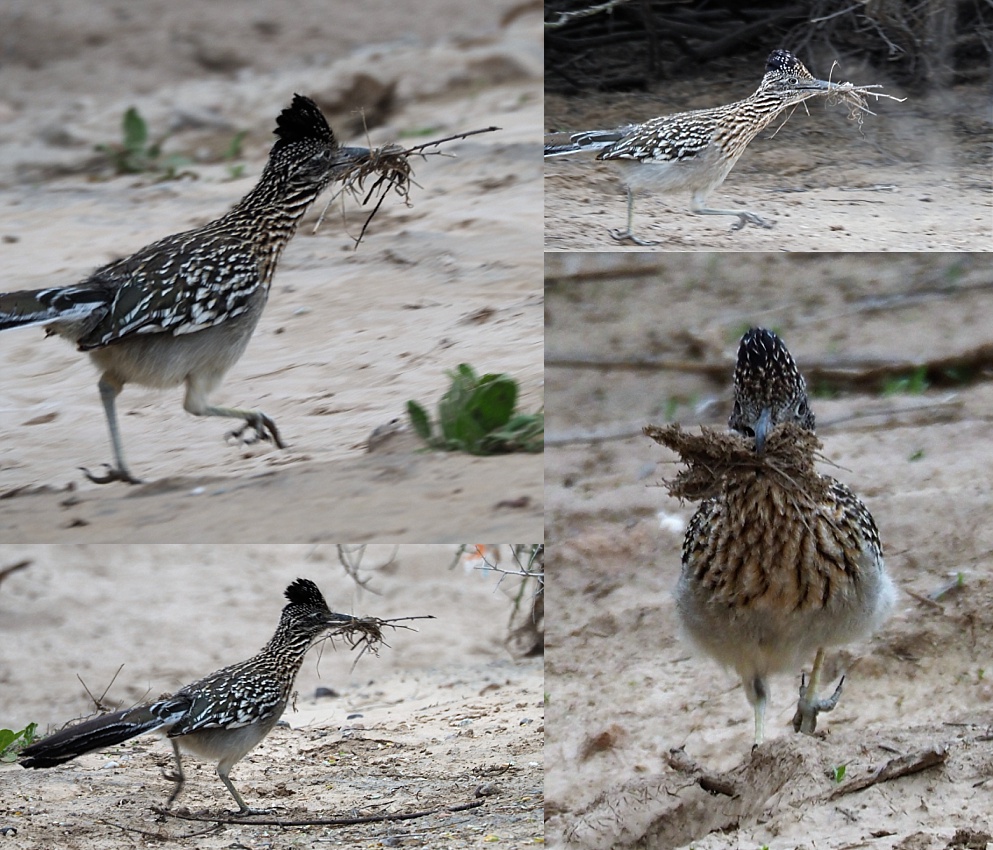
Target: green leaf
419,419
234,149
135,130
8,752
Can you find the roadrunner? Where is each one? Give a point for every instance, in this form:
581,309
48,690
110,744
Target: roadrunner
182,309
220,717
766,579
695,151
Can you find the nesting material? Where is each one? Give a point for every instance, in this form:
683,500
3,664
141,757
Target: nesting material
854,97
713,456
364,634
388,168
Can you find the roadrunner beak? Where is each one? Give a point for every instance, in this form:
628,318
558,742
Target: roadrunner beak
816,85
346,157
339,618
762,428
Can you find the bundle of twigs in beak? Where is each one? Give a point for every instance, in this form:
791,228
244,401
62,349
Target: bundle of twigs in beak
855,97
713,457
366,633
390,166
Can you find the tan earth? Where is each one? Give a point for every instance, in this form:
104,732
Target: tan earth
626,694
915,177
444,716
349,334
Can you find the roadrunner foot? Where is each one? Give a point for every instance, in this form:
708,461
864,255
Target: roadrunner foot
628,236
264,428
113,474
805,719
750,218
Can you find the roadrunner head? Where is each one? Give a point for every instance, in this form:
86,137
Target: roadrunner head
788,80
306,153
307,613
768,388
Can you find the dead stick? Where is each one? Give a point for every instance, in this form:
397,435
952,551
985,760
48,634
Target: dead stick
318,821
894,769
418,148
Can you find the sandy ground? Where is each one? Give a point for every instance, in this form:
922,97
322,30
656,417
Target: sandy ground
438,714
917,177
624,690
347,337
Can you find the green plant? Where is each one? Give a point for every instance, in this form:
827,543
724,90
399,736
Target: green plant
135,154
913,384
11,743
916,455
839,773
476,415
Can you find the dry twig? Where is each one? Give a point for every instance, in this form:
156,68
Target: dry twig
711,456
256,821
367,632
894,769
390,165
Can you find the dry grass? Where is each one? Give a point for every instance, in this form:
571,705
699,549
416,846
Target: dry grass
389,169
712,456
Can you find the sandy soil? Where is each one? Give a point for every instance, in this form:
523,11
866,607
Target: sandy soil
348,336
916,177
624,690
440,713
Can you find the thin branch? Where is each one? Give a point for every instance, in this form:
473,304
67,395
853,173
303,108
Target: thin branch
98,701
13,568
400,816
894,769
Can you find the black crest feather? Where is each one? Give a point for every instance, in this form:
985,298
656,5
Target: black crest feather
782,60
304,592
302,121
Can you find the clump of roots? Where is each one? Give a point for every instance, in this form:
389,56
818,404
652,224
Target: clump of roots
388,168
854,97
366,633
712,457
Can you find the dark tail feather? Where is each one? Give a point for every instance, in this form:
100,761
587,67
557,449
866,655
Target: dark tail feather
41,306
90,735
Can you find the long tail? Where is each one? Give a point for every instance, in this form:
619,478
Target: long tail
91,735
43,306
591,140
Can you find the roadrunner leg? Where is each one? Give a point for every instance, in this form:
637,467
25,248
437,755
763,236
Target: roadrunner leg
628,234
109,390
808,706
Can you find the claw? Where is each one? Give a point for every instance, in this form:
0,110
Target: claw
264,428
113,474
628,236
750,218
805,719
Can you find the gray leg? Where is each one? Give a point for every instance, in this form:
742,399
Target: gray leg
808,706
109,390
758,695
223,771
628,235
176,777
265,429
744,217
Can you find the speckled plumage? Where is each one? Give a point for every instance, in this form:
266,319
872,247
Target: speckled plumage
219,717
695,151
182,309
769,575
